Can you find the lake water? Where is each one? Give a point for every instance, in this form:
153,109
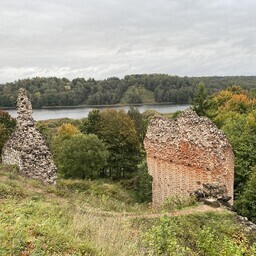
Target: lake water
77,113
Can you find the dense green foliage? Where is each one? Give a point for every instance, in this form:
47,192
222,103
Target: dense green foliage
140,122
246,205
117,130
194,236
234,111
4,134
143,184
63,133
199,100
83,157
131,89
7,124
122,133
124,136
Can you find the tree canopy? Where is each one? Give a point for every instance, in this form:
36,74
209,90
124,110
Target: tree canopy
64,132
132,89
199,100
118,132
82,156
234,111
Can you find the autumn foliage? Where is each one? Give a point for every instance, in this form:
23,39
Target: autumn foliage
234,111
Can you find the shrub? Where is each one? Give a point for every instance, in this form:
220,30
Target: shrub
82,156
161,239
8,121
197,235
7,124
4,134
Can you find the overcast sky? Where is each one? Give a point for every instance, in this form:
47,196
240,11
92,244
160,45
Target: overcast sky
105,38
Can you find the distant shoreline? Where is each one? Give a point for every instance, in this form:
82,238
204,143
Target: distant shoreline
83,112
103,106
110,105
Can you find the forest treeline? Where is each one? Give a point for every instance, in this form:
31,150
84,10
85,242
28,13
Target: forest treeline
132,89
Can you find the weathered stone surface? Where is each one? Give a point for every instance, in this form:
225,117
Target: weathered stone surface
185,153
215,191
26,148
249,226
211,202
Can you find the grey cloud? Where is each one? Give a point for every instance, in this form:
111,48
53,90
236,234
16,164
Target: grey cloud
96,38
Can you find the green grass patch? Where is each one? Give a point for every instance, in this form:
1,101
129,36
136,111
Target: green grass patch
103,194
39,228
173,203
84,217
11,189
198,234
147,96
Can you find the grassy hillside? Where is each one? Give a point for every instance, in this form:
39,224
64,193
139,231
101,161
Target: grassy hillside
146,96
101,218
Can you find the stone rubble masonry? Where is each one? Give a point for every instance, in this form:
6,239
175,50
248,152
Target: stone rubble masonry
185,153
26,147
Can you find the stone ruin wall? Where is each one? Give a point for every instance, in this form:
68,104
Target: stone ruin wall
26,147
185,153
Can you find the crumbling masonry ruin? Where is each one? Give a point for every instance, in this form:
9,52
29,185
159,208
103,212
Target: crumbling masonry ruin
185,155
26,148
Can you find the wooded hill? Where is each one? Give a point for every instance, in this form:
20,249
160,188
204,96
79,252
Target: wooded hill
132,89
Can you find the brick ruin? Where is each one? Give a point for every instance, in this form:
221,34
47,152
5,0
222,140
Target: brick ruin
186,155
26,147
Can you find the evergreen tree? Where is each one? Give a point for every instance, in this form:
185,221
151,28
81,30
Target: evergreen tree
200,97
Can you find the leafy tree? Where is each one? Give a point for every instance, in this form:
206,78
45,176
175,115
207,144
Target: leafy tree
8,121
82,156
160,93
234,111
139,121
241,134
134,96
65,132
118,132
246,206
93,122
46,132
253,93
7,124
4,134
144,183
200,97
